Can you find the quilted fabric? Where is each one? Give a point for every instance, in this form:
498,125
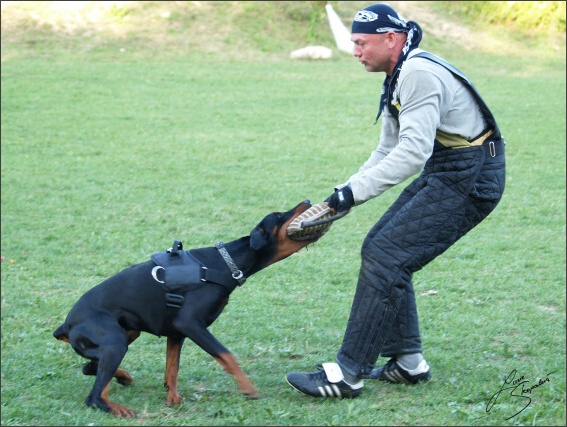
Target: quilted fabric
457,190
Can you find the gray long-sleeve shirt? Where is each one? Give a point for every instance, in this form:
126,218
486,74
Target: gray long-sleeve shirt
431,98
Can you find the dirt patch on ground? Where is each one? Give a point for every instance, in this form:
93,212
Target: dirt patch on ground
184,25
480,38
89,18
432,23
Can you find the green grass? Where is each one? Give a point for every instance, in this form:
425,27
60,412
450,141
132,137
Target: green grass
108,156
525,16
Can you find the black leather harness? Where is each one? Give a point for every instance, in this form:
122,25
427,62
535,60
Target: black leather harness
182,271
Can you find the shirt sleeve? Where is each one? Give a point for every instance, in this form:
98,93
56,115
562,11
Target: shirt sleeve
405,146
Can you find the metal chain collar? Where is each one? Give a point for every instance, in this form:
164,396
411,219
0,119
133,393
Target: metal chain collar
236,273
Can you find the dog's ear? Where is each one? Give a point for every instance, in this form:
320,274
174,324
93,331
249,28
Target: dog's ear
258,238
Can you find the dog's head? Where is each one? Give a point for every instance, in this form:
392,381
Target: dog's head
270,236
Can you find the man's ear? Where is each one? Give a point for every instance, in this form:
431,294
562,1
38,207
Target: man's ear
258,238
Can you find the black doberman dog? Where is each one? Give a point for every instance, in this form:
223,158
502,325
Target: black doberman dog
110,316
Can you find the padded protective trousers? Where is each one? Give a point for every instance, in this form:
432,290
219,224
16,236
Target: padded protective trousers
457,189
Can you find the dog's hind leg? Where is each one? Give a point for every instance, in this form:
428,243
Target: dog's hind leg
174,345
120,411
110,357
121,375
105,342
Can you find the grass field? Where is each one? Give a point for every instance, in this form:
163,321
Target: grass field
109,156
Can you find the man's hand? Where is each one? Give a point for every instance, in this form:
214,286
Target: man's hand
341,200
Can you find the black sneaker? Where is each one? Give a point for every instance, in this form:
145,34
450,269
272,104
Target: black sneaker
394,373
327,382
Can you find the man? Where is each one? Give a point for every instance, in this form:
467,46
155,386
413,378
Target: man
433,122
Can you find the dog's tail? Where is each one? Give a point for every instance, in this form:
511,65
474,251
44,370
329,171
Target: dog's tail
62,333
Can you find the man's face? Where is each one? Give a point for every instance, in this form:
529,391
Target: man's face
371,51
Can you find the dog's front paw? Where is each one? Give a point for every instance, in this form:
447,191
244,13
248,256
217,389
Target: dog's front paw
173,399
251,394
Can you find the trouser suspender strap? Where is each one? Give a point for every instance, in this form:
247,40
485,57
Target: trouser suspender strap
491,121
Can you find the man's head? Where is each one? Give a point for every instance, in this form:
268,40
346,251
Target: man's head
378,18
380,35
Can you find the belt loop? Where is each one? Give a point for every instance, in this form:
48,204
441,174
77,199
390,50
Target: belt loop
492,149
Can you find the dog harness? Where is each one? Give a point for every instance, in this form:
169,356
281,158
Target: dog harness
181,270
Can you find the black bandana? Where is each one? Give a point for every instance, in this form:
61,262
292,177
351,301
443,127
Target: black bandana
379,18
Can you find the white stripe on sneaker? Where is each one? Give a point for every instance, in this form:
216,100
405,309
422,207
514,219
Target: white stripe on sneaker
389,376
337,391
396,376
329,391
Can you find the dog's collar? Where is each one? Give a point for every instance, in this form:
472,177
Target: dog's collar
236,273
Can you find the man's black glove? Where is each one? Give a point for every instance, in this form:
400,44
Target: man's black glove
341,200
